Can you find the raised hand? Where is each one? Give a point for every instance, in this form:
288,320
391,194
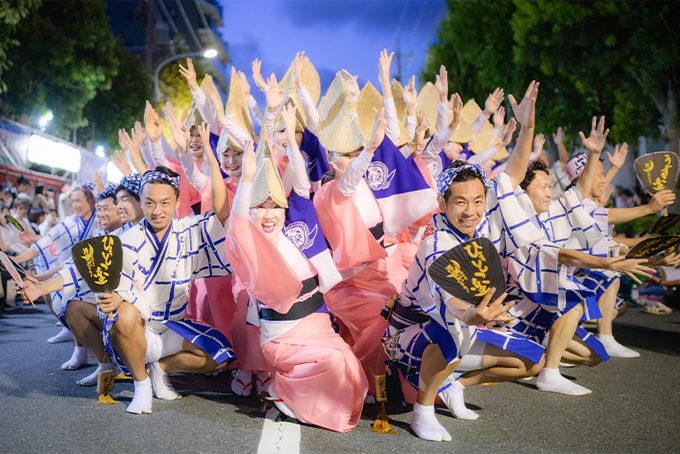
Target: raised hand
131,142
671,260
618,159
217,104
421,127
598,136
384,73
351,82
30,290
525,111
299,70
121,140
190,74
154,125
204,131
288,114
558,137
499,118
630,267
493,101
120,161
180,134
274,94
411,96
244,84
604,197
248,164
457,109
257,75
169,110
378,134
539,141
442,84
508,131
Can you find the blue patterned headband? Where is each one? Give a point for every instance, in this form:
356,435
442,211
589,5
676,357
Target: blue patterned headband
86,187
109,191
132,183
153,175
447,176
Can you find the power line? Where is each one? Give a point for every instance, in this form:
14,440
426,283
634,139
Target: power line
170,21
205,23
188,24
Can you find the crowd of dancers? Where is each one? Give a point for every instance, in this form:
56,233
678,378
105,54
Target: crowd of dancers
298,258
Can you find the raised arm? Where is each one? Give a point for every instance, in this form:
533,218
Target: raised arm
410,99
659,201
238,134
558,138
274,96
252,104
154,131
594,144
629,267
491,105
352,84
301,183
311,113
219,189
484,156
392,121
144,150
525,113
133,144
617,160
350,178
257,75
182,137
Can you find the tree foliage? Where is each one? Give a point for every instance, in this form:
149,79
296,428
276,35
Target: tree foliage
11,13
123,104
67,55
618,59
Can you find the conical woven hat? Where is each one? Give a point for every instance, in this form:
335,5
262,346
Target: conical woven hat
369,99
485,139
471,111
339,129
310,78
226,141
194,117
237,105
267,183
290,97
428,103
263,150
398,93
463,133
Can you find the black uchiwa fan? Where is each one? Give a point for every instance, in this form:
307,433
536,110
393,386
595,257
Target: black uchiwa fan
666,225
652,246
657,171
12,220
99,261
469,270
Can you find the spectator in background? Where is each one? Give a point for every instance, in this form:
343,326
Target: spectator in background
8,196
20,210
6,236
51,219
50,197
24,187
36,216
64,206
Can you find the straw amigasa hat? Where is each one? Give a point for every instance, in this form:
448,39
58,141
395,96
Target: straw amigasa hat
290,97
267,182
339,129
237,105
486,137
195,117
428,104
369,99
310,78
227,141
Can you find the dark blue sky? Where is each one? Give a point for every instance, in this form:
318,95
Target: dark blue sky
334,34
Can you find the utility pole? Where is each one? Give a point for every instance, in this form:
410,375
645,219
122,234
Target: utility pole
149,36
398,56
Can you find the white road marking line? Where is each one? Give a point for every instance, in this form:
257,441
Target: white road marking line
279,437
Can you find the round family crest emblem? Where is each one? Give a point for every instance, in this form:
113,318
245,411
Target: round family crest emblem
378,176
298,233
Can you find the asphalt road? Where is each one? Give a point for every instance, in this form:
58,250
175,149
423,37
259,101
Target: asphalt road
634,407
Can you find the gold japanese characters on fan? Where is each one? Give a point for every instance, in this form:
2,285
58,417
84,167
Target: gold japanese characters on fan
480,284
100,273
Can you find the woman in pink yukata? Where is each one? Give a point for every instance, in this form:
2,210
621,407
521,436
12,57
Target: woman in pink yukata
317,379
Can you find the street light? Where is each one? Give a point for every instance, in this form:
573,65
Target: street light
208,53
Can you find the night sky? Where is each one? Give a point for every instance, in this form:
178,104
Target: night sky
334,34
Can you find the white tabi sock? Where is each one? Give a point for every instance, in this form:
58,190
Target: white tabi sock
616,350
160,382
242,383
552,381
63,336
143,398
424,423
453,398
283,408
263,381
91,379
78,359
